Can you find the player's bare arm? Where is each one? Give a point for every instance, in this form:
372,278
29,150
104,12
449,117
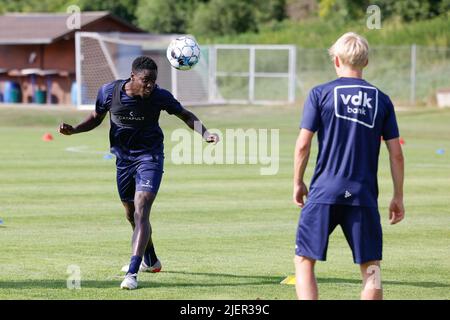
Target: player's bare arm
301,157
396,208
190,119
91,122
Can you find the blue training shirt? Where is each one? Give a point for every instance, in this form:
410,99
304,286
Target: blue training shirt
350,116
135,131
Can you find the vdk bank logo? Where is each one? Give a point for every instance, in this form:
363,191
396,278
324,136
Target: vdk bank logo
356,103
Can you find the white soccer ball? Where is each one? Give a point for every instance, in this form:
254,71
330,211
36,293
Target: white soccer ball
183,53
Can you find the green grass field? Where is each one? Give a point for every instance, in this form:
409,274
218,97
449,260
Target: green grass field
221,231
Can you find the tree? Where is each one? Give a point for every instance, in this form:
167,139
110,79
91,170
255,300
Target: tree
162,16
124,9
301,10
32,5
223,17
410,10
407,10
269,10
343,9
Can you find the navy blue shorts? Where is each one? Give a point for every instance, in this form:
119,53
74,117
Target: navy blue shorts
361,227
142,175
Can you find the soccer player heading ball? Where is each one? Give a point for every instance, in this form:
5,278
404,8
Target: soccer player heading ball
136,140
350,116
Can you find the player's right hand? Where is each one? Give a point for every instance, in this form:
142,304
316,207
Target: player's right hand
300,191
396,211
66,129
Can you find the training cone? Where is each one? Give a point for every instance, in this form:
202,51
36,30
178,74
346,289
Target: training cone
289,280
47,137
402,141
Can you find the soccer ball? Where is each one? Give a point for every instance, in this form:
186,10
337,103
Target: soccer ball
183,53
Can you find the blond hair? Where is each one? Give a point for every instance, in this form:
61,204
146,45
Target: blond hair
352,49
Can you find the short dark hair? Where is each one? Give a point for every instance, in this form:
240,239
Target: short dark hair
144,63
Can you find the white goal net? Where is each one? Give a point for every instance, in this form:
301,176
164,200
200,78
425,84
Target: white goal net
225,74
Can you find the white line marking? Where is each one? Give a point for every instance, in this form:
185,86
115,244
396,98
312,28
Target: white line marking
83,149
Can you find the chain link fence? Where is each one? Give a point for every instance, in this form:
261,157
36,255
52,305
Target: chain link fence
410,75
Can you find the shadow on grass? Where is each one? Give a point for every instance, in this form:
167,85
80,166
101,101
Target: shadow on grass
145,281
421,284
206,280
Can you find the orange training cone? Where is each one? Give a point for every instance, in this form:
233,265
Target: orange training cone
47,137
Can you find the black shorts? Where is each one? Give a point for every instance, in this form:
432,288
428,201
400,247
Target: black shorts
144,174
361,227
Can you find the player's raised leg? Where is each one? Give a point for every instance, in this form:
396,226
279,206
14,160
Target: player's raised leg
143,202
371,276
305,280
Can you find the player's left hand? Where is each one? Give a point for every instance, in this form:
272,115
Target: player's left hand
212,138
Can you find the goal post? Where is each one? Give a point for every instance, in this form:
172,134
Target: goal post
254,74
225,74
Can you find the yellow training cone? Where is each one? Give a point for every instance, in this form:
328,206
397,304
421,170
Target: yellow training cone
288,280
